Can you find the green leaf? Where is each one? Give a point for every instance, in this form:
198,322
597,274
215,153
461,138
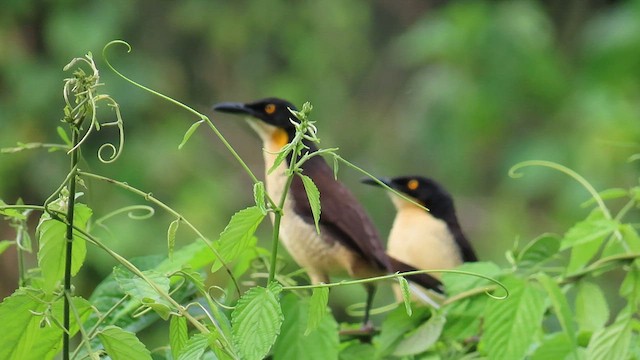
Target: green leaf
282,155
594,228
256,322
313,194
406,294
194,347
317,308
560,306
395,327
122,345
52,238
630,287
319,344
422,338
171,236
4,245
613,341
357,351
554,346
539,250
237,236
511,324
63,135
12,213
190,132
592,310
143,291
178,335
259,196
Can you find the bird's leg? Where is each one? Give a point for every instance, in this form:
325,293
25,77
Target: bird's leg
371,291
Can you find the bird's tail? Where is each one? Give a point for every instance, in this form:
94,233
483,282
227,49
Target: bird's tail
424,280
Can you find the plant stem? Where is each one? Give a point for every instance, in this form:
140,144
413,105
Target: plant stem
69,251
276,229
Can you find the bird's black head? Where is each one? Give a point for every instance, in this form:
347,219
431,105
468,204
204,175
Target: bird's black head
273,111
425,191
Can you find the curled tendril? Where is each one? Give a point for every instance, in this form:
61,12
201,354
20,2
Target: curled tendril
147,212
215,299
82,89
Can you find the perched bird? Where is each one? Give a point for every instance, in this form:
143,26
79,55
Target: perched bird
348,242
430,239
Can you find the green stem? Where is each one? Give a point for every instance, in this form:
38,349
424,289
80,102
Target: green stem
69,251
276,229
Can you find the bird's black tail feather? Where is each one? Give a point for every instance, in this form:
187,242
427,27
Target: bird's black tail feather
424,280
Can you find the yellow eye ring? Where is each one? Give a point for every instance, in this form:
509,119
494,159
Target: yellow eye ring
413,184
270,109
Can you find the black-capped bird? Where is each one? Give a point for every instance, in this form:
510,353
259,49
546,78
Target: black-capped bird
348,242
430,239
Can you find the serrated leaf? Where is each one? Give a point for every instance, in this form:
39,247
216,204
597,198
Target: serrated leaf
317,308
511,324
539,250
560,305
313,195
194,347
592,310
256,322
259,196
554,346
171,236
192,129
122,345
395,327
144,292
4,245
406,294
422,338
63,135
178,335
52,239
613,341
237,235
594,228
282,155
319,344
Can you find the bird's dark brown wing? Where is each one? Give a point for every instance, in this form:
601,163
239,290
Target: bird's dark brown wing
341,213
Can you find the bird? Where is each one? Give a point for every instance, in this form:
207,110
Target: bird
425,239
348,243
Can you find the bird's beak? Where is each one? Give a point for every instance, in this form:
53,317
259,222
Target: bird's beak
234,108
370,181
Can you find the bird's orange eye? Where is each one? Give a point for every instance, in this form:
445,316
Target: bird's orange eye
412,184
270,109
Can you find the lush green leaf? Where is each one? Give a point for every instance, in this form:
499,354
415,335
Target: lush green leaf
178,335
630,287
259,194
313,195
554,346
593,229
357,351
511,324
145,292
53,244
237,236
194,347
256,322
457,283
592,311
192,129
422,338
539,250
317,308
122,345
396,325
295,343
613,341
560,306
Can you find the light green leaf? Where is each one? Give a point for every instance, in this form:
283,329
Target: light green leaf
63,135
613,341
282,155
259,196
194,347
592,310
319,344
144,292
313,194
171,236
539,250
554,346
357,351
52,240
422,338
511,324
317,308
178,335
13,213
122,345
457,283
238,234
406,294
630,287
560,306
189,132
594,228
4,245
256,322
395,327
608,194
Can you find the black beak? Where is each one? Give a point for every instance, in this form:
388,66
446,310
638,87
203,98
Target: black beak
234,108
370,181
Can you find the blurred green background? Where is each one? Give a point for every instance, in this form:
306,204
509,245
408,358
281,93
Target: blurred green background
458,91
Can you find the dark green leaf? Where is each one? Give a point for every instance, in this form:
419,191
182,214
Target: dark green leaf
511,324
237,236
317,308
122,345
358,351
539,250
256,322
319,344
313,194
178,335
395,327
422,338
